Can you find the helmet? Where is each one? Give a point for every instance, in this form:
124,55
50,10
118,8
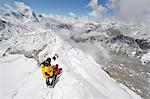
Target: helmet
46,63
56,55
57,65
49,60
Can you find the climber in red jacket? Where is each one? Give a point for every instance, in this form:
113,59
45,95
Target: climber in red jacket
57,70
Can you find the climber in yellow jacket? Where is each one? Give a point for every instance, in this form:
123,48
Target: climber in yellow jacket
50,71
47,69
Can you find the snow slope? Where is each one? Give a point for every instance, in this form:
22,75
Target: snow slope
82,77
145,58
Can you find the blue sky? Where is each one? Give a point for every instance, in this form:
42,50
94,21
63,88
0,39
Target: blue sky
62,7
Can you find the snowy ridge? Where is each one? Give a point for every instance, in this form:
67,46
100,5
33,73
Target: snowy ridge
82,78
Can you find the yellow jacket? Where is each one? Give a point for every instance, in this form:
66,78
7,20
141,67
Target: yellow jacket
47,71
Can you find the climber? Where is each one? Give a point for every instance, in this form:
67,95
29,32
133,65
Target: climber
55,57
50,72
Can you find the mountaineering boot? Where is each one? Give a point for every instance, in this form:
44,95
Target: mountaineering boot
53,80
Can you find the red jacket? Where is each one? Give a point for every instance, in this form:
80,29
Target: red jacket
56,70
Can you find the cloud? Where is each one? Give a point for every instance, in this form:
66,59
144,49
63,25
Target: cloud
124,10
97,10
93,4
72,14
113,4
131,10
7,7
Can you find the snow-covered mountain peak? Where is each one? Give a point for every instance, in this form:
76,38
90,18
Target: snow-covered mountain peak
17,15
24,8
